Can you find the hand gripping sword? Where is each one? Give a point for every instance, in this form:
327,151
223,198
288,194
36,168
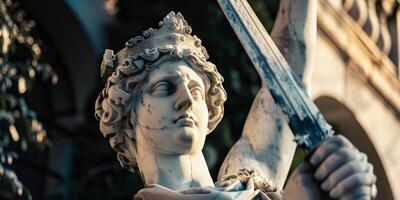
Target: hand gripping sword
306,122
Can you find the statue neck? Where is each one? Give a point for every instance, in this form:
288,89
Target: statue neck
173,171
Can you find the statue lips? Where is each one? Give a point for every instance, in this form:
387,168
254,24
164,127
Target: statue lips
185,120
187,135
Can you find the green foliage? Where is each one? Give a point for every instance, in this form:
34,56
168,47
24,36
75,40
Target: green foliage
20,67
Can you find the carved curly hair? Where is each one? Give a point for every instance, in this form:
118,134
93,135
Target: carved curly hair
114,103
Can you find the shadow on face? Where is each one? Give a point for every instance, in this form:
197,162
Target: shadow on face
171,110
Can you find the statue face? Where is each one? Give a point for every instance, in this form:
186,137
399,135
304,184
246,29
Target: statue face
172,114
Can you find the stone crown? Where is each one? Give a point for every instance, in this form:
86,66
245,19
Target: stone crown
174,33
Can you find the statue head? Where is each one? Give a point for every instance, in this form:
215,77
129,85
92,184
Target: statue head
160,87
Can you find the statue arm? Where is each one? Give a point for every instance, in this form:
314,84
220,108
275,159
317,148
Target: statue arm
267,142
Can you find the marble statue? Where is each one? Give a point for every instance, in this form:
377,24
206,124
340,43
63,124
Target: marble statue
162,97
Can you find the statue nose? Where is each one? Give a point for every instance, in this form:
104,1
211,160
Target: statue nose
184,99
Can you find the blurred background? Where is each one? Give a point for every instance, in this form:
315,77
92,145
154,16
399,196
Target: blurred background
50,144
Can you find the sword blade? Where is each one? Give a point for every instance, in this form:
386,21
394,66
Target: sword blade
306,122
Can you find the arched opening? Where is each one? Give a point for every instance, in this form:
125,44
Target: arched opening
344,122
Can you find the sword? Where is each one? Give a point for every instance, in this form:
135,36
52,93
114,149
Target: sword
305,120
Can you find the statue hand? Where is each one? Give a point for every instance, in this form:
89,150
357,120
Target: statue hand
342,171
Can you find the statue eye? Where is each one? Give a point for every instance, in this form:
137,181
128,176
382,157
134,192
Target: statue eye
161,89
197,92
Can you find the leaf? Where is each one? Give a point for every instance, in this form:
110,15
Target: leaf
54,79
21,85
9,159
31,72
23,107
6,39
13,132
40,136
24,145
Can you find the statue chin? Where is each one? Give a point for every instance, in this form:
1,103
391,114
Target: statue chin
173,141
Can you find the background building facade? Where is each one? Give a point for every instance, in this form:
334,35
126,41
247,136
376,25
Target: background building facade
355,81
